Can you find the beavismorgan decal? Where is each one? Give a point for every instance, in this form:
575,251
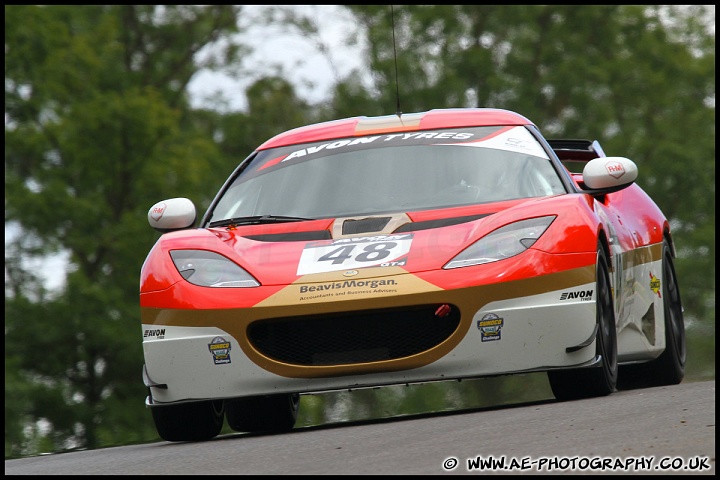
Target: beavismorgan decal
347,288
365,284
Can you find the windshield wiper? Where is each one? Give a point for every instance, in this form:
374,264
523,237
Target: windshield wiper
256,220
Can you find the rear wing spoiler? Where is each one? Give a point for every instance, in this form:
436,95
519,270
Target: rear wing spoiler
574,154
577,150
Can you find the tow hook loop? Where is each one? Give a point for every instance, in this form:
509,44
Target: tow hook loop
443,311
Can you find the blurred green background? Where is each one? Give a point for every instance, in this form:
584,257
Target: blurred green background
100,125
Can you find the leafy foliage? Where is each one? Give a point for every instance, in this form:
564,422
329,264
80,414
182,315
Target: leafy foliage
95,104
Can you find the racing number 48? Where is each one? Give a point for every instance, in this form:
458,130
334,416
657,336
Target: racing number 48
372,252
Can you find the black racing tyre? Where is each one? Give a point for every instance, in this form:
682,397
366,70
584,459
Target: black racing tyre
189,422
271,413
599,381
669,367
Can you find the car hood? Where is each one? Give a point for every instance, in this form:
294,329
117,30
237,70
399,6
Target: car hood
379,245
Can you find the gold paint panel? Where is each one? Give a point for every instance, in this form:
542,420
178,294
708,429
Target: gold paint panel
642,255
369,284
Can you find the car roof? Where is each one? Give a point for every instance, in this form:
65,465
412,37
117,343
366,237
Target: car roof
361,126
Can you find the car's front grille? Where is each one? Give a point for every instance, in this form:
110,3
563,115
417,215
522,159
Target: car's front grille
354,337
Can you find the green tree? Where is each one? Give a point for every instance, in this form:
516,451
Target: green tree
98,128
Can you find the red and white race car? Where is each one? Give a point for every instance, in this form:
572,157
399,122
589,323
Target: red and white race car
370,251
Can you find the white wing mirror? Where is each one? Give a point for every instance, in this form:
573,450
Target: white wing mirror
612,173
172,214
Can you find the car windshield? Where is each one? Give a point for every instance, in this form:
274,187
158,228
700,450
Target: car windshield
398,172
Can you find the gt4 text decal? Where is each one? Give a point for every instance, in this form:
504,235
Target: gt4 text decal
490,326
356,252
220,349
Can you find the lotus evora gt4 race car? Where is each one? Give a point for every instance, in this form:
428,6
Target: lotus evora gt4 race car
409,248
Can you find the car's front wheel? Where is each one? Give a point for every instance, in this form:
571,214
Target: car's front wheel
669,367
189,422
271,413
598,381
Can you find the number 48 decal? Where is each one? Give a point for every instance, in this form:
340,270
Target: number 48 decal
370,253
355,252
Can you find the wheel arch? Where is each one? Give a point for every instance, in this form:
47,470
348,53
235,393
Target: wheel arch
671,242
605,245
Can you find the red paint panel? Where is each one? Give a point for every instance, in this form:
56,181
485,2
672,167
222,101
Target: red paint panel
434,119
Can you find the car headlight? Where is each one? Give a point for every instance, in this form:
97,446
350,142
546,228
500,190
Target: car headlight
505,242
209,269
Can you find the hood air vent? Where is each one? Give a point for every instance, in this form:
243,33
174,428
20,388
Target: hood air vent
365,225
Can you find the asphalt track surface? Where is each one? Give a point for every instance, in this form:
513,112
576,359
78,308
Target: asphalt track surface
662,430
